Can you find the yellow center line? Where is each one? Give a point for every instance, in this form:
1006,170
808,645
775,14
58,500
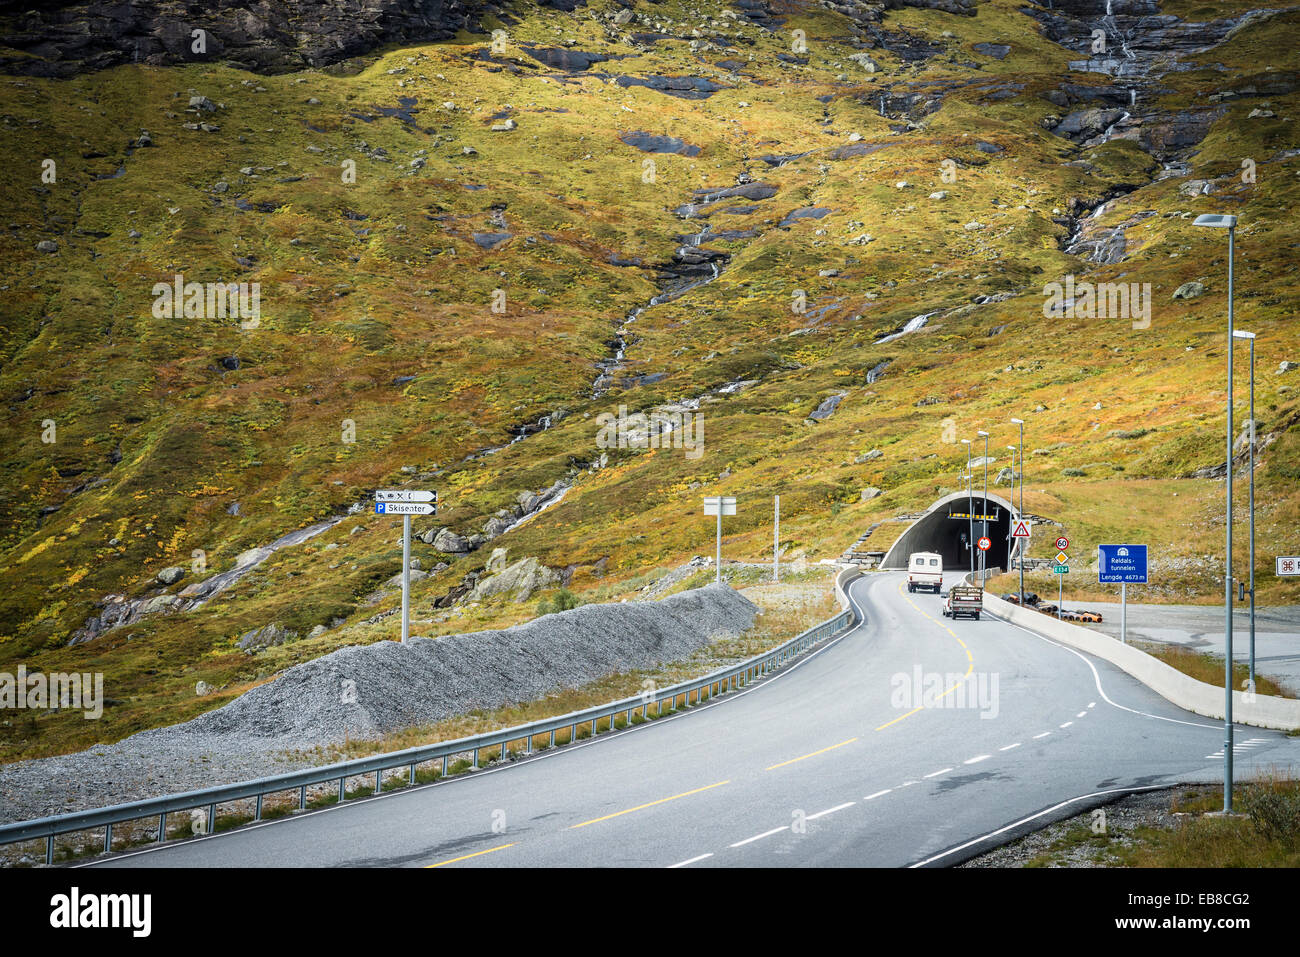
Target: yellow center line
468,856
642,807
812,755
969,667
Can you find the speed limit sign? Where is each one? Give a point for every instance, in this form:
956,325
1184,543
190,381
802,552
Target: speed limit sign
984,544
1062,543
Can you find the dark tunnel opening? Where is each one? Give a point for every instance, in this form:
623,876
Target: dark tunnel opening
945,529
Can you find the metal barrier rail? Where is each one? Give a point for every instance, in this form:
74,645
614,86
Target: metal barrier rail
705,688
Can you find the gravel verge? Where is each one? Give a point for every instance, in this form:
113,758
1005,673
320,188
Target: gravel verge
371,690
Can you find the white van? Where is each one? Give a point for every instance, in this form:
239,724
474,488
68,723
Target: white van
925,572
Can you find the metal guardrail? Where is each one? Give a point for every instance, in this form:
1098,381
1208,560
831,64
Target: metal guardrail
704,689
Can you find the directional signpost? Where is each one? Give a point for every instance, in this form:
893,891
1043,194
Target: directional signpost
405,502
1125,565
720,506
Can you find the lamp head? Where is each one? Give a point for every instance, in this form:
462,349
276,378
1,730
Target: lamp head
1216,221
1017,421
982,434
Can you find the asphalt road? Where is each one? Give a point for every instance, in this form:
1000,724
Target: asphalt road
1200,628
829,762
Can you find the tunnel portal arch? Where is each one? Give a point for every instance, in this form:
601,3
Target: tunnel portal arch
944,529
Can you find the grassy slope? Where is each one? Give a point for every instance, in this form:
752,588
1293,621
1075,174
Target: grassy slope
345,315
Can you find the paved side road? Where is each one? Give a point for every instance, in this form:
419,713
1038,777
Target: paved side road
1277,632
911,740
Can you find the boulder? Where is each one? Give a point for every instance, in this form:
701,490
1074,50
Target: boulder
1189,290
264,637
519,581
496,561
869,493
171,575
449,543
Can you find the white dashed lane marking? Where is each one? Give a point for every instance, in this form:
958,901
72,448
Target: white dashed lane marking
759,837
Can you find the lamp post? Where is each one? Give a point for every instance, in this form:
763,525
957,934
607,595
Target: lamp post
985,506
970,508
1011,540
1242,334
1021,550
1218,221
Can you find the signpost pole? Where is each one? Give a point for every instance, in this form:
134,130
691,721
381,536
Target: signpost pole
719,558
1060,594
1123,613
776,539
406,578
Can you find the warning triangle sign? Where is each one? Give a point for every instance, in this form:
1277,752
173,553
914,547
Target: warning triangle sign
1021,530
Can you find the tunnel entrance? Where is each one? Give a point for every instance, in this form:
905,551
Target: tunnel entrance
945,528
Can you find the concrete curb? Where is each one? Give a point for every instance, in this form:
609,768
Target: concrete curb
1266,711
842,580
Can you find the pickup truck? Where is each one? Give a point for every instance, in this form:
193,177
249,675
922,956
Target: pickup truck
964,600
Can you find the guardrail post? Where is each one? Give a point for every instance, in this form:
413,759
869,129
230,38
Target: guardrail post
573,733
257,815
412,774
379,781
342,791
49,849
212,813
162,827
475,765
108,839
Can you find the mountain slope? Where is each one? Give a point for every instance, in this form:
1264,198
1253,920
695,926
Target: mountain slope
719,212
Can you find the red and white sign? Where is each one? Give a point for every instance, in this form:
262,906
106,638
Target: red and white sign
1062,543
984,544
1021,530
1288,565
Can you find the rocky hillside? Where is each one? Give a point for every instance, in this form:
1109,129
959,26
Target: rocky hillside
576,269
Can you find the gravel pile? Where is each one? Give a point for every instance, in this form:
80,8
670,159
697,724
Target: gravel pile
375,689
368,691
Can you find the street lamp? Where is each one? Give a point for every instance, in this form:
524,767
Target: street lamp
1011,539
1219,221
1242,334
1021,549
985,515
970,508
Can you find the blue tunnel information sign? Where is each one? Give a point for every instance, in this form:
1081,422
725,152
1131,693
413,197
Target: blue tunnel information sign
1122,564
